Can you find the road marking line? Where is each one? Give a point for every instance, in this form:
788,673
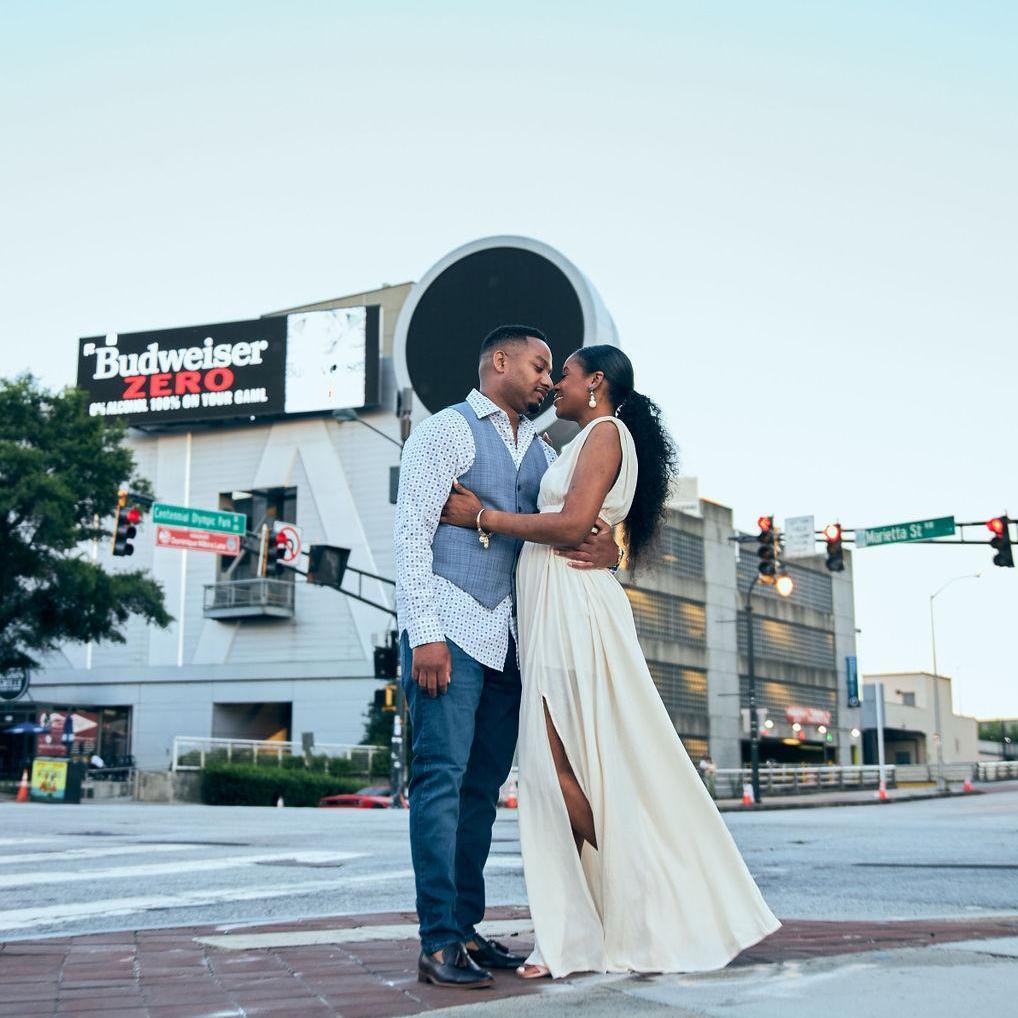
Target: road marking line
354,935
97,853
191,866
59,915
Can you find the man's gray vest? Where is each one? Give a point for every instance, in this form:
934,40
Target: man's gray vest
489,575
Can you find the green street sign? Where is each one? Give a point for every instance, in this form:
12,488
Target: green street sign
216,520
895,533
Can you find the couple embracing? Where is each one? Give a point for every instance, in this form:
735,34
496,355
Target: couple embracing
513,625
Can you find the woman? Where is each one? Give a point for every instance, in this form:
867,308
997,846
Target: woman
628,863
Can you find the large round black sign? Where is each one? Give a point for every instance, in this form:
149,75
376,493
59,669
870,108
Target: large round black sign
472,296
14,683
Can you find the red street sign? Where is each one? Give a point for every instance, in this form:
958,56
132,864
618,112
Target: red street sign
197,540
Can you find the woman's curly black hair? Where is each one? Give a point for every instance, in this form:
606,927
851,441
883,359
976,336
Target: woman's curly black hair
655,449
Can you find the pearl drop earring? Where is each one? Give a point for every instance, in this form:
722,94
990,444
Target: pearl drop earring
592,402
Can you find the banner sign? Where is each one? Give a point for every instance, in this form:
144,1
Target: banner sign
807,715
852,673
308,362
197,540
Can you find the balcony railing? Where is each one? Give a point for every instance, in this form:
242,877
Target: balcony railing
257,598
191,753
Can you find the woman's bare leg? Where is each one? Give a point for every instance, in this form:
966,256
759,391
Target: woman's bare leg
581,817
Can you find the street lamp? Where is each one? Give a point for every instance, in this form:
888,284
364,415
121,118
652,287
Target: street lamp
351,415
941,781
784,589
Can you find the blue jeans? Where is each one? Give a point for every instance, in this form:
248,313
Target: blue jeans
463,745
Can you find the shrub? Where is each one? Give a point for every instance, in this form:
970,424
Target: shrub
244,785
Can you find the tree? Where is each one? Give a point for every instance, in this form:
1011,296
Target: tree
60,471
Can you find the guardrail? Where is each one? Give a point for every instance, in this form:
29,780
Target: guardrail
793,779
191,753
996,770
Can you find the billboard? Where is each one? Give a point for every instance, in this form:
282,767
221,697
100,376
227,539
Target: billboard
308,362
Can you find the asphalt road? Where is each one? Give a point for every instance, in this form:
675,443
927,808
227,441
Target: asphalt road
100,867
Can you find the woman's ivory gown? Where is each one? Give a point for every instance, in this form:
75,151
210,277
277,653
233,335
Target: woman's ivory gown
666,890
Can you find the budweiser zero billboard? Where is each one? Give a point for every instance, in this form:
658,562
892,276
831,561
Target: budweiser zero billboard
307,362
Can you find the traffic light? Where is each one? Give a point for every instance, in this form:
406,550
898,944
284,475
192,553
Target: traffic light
835,553
125,526
385,698
1001,541
276,554
766,548
386,661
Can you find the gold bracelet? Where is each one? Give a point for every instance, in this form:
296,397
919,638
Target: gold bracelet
482,536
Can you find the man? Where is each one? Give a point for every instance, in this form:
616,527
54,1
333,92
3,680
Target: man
454,596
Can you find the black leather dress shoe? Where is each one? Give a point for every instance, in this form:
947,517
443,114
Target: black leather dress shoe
493,955
457,970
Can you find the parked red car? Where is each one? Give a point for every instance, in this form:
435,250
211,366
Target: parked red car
374,797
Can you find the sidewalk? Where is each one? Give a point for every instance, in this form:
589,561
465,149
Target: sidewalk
352,966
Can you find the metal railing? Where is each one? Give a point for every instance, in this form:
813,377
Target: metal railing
793,779
996,770
239,598
192,753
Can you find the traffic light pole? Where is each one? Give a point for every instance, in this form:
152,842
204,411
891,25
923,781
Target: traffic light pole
754,723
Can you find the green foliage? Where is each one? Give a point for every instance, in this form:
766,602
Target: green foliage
377,726
60,471
244,785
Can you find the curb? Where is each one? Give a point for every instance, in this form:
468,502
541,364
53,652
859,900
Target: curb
763,807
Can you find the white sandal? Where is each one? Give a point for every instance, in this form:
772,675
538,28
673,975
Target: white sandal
531,971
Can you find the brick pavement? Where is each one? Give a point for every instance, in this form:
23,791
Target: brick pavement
167,974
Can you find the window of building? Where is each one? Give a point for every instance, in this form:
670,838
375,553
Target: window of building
682,689
788,642
775,695
907,699
696,746
682,551
666,617
262,507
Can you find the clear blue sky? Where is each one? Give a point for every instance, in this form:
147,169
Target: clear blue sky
801,215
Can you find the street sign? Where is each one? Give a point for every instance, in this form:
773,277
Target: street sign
800,537
895,533
292,541
216,520
182,538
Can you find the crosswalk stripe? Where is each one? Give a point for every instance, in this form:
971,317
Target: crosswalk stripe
96,853
191,866
56,915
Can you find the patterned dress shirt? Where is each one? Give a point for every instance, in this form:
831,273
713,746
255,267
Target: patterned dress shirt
431,608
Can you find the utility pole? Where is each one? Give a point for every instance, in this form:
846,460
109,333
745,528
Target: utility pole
754,726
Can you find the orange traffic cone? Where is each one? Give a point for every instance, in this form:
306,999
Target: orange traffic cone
23,788
511,799
967,787
747,795
882,792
